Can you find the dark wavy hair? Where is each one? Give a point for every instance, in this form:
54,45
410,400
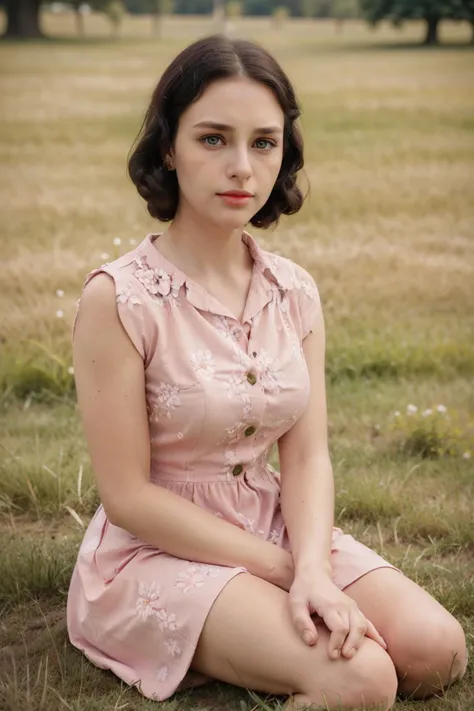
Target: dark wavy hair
184,81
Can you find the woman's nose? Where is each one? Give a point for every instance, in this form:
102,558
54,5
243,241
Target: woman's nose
240,164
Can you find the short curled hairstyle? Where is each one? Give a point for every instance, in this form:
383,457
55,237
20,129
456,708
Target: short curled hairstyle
183,82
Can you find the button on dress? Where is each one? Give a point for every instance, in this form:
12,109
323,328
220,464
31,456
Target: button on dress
219,394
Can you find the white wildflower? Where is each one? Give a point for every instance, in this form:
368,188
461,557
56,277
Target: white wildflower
411,409
117,241
59,313
442,408
70,370
104,255
60,293
132,241
466,455
427,413
397,413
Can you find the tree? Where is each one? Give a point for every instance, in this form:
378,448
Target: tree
343,10
115,10
23,19
432,11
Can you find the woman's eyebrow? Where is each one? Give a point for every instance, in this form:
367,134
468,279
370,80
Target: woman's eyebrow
224,127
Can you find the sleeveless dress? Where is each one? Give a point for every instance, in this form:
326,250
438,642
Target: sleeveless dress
219,394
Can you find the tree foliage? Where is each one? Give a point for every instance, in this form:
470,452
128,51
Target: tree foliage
432,11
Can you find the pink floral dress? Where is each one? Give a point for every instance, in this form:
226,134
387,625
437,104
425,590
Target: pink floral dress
219,395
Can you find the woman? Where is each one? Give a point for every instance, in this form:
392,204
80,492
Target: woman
194,353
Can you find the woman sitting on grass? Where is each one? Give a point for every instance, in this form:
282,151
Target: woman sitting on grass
194,353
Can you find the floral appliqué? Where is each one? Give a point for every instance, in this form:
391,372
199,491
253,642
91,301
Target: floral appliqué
127,296
157,282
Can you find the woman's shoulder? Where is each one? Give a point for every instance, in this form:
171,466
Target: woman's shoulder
122,266
126,270
123,292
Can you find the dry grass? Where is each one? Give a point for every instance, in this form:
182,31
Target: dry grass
386,231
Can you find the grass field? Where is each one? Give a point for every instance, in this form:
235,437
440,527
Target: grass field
387,232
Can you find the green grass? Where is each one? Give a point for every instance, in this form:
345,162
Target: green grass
387,233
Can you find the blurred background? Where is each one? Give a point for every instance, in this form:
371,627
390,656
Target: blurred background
386,90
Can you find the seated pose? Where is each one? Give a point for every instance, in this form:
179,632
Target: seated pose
194,353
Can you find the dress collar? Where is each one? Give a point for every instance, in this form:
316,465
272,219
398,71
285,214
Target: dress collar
275,269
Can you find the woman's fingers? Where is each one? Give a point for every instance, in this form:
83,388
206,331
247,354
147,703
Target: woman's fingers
359,625
303,622
373,634
338,624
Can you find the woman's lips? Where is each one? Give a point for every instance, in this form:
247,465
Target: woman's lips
231,199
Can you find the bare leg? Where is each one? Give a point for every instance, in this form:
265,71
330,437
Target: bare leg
249,640
426,643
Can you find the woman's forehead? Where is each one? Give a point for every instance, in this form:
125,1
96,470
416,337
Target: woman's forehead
236,105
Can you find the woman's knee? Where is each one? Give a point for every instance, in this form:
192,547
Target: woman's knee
435,659
368,679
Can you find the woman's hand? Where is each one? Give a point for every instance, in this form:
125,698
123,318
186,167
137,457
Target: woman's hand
348,626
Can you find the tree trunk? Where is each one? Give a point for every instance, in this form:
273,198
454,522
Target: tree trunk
472,31
431,30
219,15
79,22
23,19
157,25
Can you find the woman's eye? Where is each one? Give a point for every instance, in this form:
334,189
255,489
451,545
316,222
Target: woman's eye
259,140
205,138
264,140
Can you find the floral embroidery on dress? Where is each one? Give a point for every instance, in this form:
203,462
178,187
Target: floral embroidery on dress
173,648
248,524
163,400
127,296
189,579
230,460
234,433
307,286
166,621
236,385
274,536
268,368
227,328
243,360
212,571
162,674
148,595
203,364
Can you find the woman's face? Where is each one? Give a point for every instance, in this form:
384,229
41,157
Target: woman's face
210,160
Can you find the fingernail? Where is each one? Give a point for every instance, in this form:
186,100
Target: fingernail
308,637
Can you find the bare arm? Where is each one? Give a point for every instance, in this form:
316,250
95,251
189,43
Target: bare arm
307,484
110,383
